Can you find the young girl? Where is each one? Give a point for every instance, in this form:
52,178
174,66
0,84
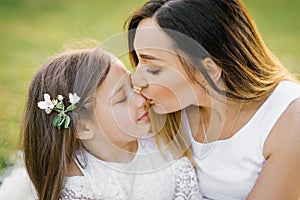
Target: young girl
80,131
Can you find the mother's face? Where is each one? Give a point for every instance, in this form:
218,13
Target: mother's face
159,71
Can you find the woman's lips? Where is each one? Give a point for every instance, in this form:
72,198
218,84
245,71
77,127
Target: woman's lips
150,101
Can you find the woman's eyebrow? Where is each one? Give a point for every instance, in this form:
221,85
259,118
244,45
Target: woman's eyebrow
130,79
150,57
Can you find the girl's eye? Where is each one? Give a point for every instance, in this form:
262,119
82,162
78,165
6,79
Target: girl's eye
122,100
154,72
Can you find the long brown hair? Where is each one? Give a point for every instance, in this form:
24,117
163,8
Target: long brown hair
228,35
49,150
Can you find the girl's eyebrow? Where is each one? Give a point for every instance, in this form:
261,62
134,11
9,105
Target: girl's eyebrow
121,86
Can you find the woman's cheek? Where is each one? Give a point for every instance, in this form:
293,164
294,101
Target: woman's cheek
165,99
158,91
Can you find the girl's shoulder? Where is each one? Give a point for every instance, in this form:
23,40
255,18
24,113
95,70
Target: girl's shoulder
180,170
76,187
17,185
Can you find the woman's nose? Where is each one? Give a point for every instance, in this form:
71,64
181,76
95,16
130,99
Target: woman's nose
138,100
138,79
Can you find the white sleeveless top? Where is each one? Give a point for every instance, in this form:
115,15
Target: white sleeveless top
228,169
148,176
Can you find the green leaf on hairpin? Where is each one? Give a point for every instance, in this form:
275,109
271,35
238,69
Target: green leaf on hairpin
57,120
57,105
67,121
71,107
60,105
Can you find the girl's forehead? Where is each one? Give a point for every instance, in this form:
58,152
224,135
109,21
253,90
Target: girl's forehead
117,77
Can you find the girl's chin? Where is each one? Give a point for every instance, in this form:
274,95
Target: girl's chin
143,130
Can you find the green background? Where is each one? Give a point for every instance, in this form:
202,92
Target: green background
32,30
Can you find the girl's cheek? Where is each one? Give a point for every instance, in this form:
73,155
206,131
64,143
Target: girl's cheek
125,114
131,114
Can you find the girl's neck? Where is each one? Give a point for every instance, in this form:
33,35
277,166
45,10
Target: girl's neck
112,152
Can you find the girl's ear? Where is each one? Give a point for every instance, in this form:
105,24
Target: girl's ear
212,68
84,131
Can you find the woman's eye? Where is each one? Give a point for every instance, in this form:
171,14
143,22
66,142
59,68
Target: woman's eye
154,72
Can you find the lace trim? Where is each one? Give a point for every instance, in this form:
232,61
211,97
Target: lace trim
186,183
67,194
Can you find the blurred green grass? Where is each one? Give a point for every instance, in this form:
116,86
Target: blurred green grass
32,30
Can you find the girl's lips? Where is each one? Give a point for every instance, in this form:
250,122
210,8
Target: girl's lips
144,117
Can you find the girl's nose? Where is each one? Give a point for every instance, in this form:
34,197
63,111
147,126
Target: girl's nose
138,100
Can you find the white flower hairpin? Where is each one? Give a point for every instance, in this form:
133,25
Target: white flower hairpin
57,105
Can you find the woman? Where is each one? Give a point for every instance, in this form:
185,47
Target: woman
84,137
205,60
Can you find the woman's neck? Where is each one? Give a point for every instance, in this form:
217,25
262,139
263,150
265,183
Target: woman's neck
220,120
201,118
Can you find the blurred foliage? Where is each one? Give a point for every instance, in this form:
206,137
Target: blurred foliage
33,30
279,24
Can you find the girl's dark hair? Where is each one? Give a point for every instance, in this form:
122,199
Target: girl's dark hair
48,151
225,32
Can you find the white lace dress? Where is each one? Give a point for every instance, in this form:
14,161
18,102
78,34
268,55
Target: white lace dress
148,176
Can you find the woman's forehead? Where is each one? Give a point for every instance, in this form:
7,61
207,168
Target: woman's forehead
150,36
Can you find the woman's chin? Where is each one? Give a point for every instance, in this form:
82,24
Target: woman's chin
159,109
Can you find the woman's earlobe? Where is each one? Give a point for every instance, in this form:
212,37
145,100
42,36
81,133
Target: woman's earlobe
212,68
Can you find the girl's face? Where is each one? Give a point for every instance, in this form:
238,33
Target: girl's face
120,112
159,71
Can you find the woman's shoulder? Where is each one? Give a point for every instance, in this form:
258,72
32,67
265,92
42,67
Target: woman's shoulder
289,121
288,99
285,135
282,104
288,89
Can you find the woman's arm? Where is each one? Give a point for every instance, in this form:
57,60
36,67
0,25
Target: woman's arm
280,176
